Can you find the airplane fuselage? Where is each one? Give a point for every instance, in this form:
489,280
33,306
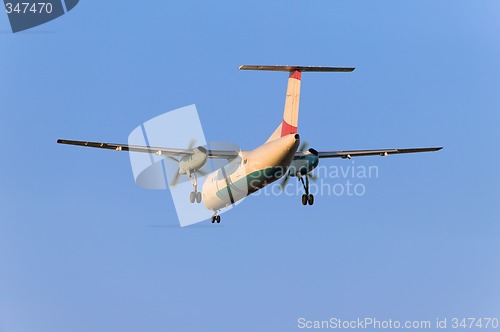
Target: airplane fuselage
251,171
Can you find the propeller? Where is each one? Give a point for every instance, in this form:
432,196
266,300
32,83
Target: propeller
175,180
285,180
303,147
192,143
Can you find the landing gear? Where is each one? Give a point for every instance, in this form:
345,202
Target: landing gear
307,198
215,218
195,195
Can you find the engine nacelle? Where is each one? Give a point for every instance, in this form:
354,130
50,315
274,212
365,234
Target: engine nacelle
302,165
191,163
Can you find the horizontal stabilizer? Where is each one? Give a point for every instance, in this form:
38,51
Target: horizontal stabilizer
298,68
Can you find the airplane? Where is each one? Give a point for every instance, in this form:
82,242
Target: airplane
247,171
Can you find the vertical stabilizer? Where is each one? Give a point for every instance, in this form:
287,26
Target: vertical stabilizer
292,101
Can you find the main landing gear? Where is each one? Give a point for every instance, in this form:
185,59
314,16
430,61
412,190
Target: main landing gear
195,195
215,218
307,198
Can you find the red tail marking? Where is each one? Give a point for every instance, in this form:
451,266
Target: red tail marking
296,74
287,129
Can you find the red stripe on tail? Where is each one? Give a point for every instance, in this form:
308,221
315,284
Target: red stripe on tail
287,129
296,74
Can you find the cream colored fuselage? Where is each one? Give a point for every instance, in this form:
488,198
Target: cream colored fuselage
251,171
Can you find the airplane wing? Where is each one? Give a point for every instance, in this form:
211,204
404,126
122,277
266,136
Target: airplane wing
382,152
222,154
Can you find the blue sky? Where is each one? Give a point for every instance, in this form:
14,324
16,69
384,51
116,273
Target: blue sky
82,248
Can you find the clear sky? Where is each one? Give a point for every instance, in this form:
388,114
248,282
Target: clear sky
82,248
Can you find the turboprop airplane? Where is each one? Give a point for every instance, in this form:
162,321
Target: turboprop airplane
281,156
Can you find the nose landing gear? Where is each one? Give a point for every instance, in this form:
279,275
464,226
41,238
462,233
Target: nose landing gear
215,218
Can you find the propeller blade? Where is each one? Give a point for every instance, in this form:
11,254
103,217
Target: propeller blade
192,144
303,146
312,176
174,181
284,182
172,158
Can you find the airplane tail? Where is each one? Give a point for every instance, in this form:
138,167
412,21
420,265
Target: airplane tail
290,122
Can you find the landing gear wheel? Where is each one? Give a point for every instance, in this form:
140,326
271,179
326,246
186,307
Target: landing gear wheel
304,199
213,219
310,199
192,196
198,197
218,219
